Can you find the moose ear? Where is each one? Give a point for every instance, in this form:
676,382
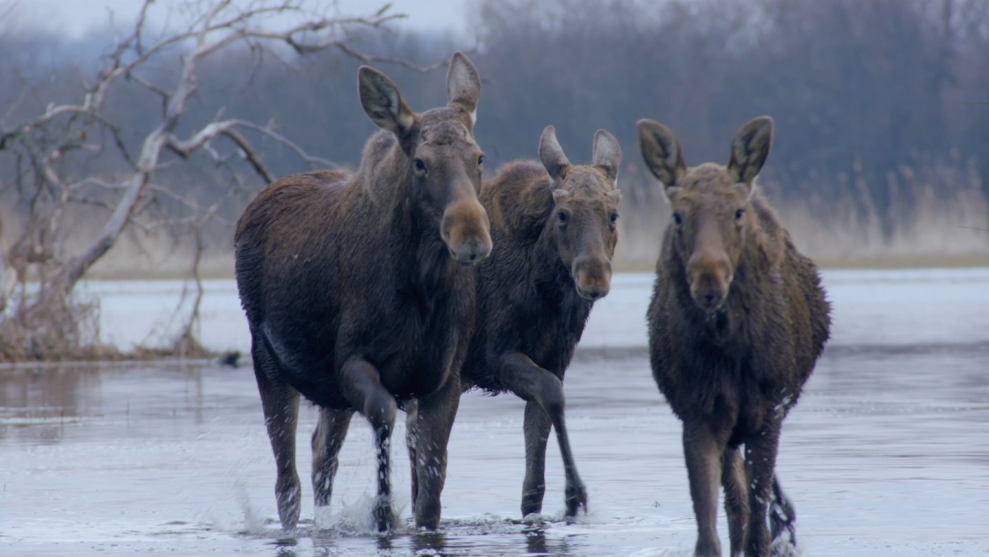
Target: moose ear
662,153
607,154
463,85
750,149
382,101
551,155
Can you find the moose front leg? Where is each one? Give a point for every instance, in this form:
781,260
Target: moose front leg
536,427
760,461
361,385
702,449
528,381
436,413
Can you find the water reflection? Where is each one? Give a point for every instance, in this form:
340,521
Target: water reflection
536,543
38,402
432,542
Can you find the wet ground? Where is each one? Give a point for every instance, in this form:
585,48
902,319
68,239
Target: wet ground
886,454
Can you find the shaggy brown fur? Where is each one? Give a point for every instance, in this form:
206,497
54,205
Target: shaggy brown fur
357,292
554,236
737,320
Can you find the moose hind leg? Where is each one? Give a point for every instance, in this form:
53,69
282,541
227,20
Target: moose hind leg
280,403
536,428
527,380
331,430
411,437
736,498
362,387
782,516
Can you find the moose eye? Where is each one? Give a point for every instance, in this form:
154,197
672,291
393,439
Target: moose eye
420,166
562,217
739,214
614,217
480,160
677,219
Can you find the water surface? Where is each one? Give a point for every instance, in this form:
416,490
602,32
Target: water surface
886,454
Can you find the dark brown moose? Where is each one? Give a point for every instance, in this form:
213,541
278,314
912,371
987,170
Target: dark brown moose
359,294
737,320
554,231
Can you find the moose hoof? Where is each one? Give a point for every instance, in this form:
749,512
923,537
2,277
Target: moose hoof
532,503
288,495
576,498
384,519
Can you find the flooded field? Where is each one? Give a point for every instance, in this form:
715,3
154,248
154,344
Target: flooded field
886,454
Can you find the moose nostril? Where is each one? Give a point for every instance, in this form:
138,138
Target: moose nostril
594,293
470,253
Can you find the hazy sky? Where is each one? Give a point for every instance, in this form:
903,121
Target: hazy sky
74,18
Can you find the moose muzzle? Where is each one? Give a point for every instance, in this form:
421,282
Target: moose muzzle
592,277
709,275
466,231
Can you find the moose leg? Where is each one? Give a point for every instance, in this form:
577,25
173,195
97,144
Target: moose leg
326,442
529,381
436,413
537,426
702,450
736,498
280,403
361,385
760,460
411,435
782,515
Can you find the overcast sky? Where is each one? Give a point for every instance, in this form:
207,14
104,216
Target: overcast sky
72,19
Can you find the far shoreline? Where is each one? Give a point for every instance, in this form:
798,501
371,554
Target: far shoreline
222,270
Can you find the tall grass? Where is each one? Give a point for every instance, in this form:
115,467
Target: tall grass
933,214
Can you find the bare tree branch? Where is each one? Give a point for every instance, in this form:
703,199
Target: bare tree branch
63,132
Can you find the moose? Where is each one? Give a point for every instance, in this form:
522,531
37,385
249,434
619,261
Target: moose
359,290
554,233
737,321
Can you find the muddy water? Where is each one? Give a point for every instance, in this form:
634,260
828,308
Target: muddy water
886,454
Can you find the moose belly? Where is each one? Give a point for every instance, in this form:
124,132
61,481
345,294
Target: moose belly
306,365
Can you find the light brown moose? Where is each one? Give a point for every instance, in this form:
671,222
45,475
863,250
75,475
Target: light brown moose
737,320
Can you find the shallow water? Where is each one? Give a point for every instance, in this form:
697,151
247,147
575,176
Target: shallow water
886,454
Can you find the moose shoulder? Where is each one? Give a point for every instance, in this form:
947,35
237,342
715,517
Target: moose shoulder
358,290
737,321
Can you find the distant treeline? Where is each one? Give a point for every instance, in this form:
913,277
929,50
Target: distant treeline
859,90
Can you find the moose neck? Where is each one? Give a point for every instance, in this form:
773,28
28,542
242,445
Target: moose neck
386,176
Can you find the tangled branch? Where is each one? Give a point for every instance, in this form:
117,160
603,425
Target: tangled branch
42,146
